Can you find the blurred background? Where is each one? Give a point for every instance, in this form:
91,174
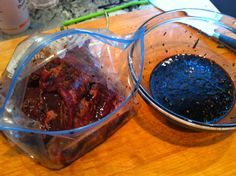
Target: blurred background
47,14
44,16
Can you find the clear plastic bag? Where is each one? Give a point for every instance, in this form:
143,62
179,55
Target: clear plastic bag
73,66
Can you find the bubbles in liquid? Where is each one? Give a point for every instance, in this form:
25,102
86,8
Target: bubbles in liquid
193,87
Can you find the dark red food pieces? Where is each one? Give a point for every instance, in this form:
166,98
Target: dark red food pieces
63,95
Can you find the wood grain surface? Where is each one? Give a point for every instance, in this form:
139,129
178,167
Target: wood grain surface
147,145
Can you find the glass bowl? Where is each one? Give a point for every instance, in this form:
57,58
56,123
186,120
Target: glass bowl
188,32
83,77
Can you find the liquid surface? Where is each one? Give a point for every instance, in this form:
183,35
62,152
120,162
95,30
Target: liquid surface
194,87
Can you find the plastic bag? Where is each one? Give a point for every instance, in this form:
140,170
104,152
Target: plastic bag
73,66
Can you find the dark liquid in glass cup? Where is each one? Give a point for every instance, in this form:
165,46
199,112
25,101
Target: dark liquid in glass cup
193,87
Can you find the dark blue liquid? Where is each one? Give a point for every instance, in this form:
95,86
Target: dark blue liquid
193,87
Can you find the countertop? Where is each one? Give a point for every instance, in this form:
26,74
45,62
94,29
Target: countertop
45,19
147,145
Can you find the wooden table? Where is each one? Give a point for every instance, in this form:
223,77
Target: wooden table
147,145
